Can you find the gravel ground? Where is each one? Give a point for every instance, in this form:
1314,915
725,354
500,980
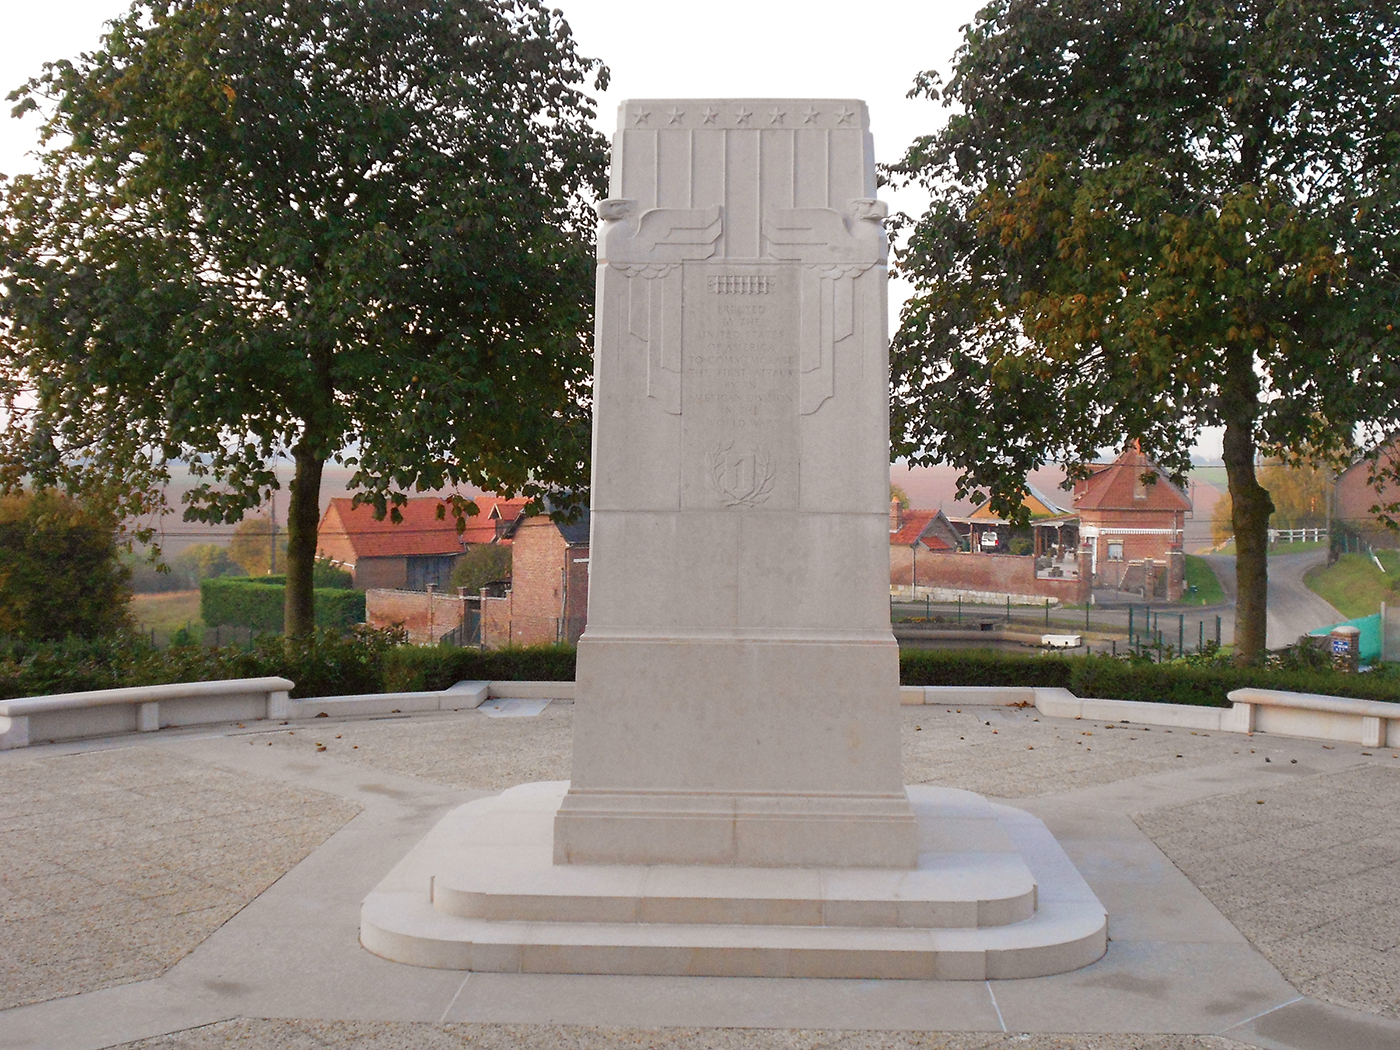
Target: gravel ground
1016,756
1308,871
316,1035
465,749
1010,752
118,863
173,848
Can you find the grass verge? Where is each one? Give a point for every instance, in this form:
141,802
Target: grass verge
1203,587
1354,585
167,613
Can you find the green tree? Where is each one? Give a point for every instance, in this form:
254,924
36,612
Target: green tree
480,565
60,570
1150,217
304,228
1301,495
203,561
251,547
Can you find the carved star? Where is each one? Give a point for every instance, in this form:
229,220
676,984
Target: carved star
710,114
844,115
676,115
641,116
810,115
777,116
743,115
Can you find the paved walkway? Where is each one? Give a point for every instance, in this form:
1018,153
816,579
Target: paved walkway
1249,883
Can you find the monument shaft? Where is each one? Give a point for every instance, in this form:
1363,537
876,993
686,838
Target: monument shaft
737,697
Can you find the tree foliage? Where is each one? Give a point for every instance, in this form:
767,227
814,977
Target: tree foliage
1151,217
305,228
60,571
251,547
198,561
483,563
1301,494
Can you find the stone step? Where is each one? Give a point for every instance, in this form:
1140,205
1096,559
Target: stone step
947,891
993,896
1061,937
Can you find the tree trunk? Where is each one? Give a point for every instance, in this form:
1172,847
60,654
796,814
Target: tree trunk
303,519
1251,508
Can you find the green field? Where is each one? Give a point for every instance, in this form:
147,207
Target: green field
1355,586
164,614
1203,588
1211,476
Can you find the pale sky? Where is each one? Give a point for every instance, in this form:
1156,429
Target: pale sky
715,48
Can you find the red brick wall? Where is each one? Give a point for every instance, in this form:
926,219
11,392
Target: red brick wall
1355,498
536,582
425,624
540,609
495,622
992,574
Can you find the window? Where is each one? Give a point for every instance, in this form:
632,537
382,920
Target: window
1115,552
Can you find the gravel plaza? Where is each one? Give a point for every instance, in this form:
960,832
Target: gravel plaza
201,888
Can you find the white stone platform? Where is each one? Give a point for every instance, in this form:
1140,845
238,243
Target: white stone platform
993,896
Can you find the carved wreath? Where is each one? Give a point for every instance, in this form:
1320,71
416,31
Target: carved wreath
733,492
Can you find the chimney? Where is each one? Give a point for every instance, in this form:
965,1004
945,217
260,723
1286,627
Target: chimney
896,514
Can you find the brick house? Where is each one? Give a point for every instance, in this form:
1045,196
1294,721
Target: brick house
1355,495
913,533
420,550
548,597
1132,522
1053,526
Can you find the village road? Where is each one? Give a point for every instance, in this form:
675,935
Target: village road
1293,609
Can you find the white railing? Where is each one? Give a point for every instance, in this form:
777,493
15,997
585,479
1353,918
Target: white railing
1297,535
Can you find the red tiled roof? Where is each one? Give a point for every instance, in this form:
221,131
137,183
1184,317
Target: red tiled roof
482,528
420,532
916,524
1114,486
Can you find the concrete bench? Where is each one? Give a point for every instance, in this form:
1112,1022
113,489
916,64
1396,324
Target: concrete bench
1370,723
140,709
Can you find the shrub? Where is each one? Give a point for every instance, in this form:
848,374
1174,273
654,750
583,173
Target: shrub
981,667
327,663
60,571
414,668
1201,682
483,563
257,603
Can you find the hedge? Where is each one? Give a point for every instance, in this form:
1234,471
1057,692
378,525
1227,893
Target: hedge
257,603
328,663
414,668
363,660
1201,682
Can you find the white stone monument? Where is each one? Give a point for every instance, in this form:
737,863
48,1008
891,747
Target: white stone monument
738,680
736,805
